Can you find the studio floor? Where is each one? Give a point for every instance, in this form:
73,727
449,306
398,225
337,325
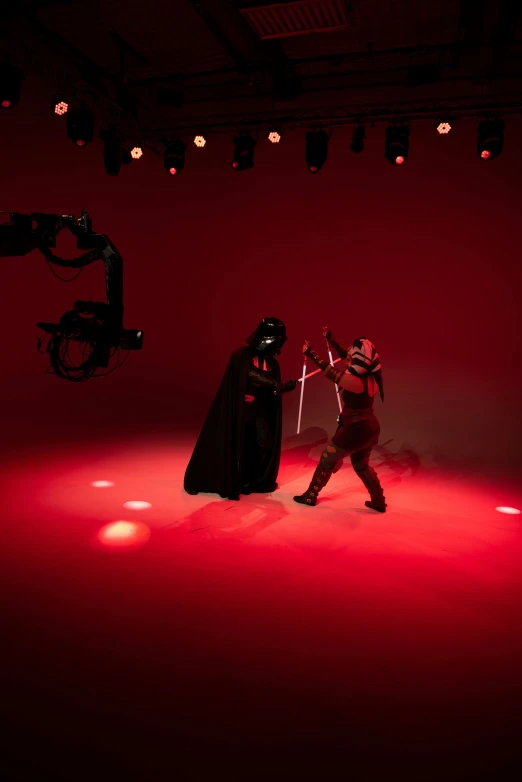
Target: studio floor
152,635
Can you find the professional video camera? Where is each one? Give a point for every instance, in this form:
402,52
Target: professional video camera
97,327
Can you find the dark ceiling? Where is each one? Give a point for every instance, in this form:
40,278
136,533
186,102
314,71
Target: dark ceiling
165,68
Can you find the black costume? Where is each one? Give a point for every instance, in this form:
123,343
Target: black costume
358,429
239,448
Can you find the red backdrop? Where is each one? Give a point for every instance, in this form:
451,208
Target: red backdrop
425,260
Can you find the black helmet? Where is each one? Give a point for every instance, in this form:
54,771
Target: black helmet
269,337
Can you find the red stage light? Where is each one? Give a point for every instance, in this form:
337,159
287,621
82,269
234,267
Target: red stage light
200,141
485,154
443,128
122,534
173,171
313,169
6,104
137,505
511,511
235,164
102,484
399,160
274,137
61,108
80,142
136,153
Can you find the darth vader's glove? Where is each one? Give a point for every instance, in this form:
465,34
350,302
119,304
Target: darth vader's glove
288,386
261,380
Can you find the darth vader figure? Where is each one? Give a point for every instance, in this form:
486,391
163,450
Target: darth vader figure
239,447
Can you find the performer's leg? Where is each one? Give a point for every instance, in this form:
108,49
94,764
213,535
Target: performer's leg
361,465
250,454
265,447
331,461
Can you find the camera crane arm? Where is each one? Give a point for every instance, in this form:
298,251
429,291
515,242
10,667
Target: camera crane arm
102,329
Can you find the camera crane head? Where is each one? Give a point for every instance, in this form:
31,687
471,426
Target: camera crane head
97,327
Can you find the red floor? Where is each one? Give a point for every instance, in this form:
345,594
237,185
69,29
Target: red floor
259,639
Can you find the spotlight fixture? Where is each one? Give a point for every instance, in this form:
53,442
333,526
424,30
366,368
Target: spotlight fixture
136,153
443,128
490,139
200,141
316,151
397,145
60,105
80,126
359,135
112,149
174,157
274,137
243,152
10,77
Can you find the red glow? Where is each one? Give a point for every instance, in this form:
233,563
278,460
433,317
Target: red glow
102,484
235,164
136,153
443,128
136,599
173,171
6,104
485,154
399,160
61,108
200,141
124,534
313,169
137,505
274,137
80,143
506,509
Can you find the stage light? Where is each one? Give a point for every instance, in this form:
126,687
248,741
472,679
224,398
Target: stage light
397,145
136,153
112,151
80,126
490,139
243,153
274,137
316,151
443,128
200,141
102,484
137,505
60,107
509,511
174,158
10,77
359,135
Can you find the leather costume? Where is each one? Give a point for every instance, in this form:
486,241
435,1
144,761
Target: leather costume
358,428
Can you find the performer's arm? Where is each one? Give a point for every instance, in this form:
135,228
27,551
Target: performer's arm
341,352
340,378
261,380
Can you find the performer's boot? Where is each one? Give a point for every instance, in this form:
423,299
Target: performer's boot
320,478
370,479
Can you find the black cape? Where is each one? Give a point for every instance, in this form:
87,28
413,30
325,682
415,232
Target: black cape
215,465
